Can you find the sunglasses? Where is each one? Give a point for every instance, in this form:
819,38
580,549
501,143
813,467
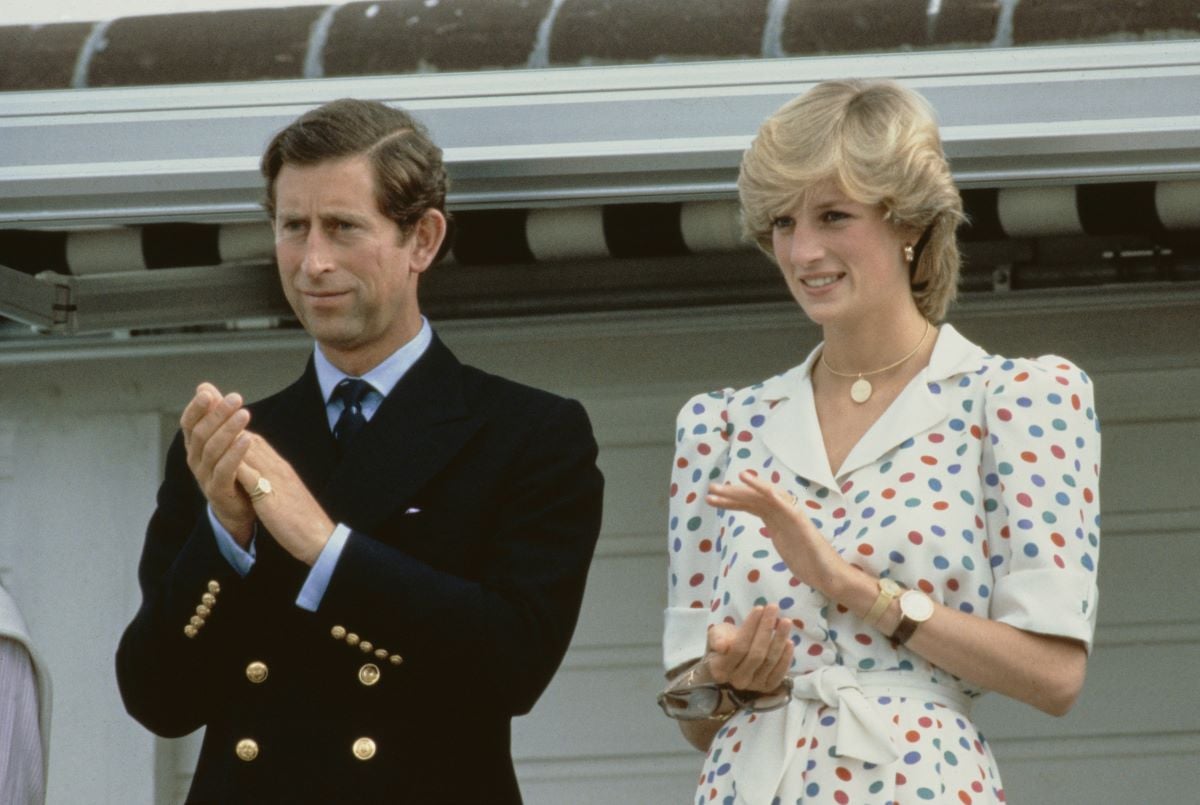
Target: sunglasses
686,700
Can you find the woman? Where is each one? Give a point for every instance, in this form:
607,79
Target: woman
862,545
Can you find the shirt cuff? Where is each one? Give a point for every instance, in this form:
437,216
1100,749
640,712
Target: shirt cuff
685,635
1048,601
322,570
241,559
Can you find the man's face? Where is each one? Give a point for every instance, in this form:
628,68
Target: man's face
346,269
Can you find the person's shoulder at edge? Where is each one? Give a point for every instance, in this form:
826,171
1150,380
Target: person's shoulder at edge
1049,374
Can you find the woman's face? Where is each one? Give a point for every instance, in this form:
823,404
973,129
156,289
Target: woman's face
842,261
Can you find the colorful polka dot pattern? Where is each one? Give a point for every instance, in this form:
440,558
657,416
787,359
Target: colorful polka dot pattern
974,511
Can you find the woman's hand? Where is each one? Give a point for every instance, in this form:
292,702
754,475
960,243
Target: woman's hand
802,547
754,655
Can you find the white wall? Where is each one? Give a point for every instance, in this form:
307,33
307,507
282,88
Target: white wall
80,446
73,492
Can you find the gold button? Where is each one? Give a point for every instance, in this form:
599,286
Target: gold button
214,587
203,611
366,646
190,631
364,749
208,599
368,674
247,749
381,653
352,638
395,659
338,632
256,672
196,621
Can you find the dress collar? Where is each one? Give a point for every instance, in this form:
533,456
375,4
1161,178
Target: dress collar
793,433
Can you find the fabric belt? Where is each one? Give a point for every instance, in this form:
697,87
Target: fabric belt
863,732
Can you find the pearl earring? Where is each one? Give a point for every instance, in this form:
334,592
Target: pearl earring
908,253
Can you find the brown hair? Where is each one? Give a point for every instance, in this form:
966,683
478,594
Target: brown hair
409,175
879,142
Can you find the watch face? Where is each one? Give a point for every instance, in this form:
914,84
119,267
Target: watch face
916,606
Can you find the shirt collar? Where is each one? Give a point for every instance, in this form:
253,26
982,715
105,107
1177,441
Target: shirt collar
952,354
384,377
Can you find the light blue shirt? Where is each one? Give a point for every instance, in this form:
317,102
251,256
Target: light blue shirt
383,378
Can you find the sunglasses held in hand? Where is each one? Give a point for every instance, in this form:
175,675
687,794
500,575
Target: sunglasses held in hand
687,699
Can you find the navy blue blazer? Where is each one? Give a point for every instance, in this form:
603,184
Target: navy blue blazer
474,504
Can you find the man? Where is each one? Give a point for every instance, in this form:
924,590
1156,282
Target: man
24,711
354,588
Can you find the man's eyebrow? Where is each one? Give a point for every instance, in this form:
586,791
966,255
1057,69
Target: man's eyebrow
324,215
342,215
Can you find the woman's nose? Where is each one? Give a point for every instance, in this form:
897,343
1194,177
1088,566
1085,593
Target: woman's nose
804,247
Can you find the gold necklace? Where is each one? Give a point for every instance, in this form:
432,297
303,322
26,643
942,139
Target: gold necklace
861,389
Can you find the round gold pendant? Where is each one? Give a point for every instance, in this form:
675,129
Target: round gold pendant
860,392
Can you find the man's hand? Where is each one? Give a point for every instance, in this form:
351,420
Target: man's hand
289,512
214,433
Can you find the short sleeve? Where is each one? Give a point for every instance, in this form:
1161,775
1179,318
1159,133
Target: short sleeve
1041,474
693,528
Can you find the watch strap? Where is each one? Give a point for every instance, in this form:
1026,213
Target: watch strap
904,630
888,592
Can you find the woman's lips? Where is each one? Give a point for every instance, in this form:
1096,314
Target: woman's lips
822,281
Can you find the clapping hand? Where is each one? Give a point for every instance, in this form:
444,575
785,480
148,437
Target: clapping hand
289,511
804,549
215,437
754,655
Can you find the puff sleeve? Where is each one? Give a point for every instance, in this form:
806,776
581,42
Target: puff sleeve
694,529
1041,474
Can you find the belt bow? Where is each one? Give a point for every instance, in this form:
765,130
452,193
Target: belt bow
863,732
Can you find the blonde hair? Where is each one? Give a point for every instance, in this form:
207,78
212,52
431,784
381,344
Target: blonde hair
879,142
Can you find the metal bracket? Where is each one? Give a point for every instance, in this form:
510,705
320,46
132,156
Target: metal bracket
179,297
43,302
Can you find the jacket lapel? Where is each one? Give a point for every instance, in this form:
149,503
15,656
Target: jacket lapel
298,427
419,428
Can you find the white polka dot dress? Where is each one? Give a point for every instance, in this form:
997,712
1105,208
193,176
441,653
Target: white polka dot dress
978,485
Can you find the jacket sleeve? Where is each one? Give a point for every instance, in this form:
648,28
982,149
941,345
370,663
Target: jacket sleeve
163,666
501,633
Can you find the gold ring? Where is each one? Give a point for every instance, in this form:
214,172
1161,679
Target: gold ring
260,490
795,501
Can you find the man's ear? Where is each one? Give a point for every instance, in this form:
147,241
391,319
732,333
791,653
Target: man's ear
427,236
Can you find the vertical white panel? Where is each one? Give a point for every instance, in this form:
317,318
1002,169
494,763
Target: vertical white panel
71,518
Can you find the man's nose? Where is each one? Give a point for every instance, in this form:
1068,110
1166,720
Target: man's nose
318,256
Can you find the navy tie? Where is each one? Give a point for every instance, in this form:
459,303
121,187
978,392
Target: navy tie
351,392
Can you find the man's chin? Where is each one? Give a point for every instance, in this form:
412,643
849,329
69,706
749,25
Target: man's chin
334,335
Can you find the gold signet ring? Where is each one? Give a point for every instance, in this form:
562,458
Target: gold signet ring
260,490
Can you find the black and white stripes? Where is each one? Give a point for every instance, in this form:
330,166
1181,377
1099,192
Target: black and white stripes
1148,209
643,230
